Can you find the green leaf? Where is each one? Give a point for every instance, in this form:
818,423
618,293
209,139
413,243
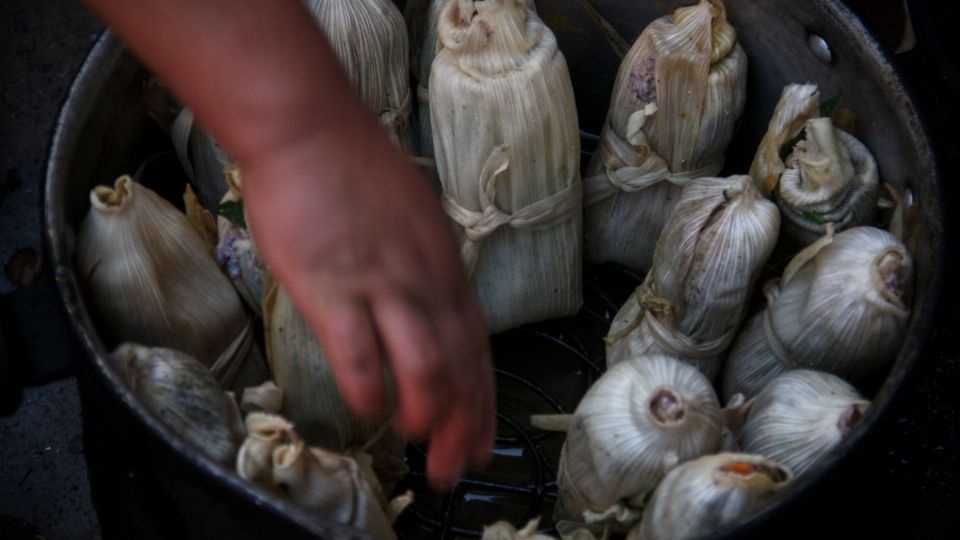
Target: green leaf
828,106
787,149
233,210
814,217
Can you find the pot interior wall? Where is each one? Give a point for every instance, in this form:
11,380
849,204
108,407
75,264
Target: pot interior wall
106,131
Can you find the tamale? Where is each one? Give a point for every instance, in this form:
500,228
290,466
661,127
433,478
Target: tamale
334,487
703,496
815,172
151,279
369,38
842,306
184,396
507,145
800,417
639,419
676,100
708,258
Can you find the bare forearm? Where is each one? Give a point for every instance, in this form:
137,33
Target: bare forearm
257,73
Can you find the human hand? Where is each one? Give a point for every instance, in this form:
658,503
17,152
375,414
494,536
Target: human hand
347,224
358,239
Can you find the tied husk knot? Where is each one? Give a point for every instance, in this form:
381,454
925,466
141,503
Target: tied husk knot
116,199
490,36
724,37
543,214
798,103
891,273
666,407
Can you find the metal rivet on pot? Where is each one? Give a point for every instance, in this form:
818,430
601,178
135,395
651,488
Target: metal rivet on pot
820,48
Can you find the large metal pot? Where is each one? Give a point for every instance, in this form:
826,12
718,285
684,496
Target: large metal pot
104,131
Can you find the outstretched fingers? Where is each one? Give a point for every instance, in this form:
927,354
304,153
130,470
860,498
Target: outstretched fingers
345,329
464,435
440,360
418,361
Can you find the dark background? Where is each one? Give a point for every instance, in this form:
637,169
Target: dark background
915,457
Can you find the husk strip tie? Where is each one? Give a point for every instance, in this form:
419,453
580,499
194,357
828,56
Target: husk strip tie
632,166
655,311
479,225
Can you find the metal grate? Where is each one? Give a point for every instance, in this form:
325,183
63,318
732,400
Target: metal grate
541,368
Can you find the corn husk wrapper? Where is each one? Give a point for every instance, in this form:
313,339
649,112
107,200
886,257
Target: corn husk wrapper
704,495
636,422
708,259
236,251
675,103
370,39
422,18
182,394
201,219
832,179
798,103
800,417
507,146
267,398
840,307
826,176
151,279
334,487
202,158
312,399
